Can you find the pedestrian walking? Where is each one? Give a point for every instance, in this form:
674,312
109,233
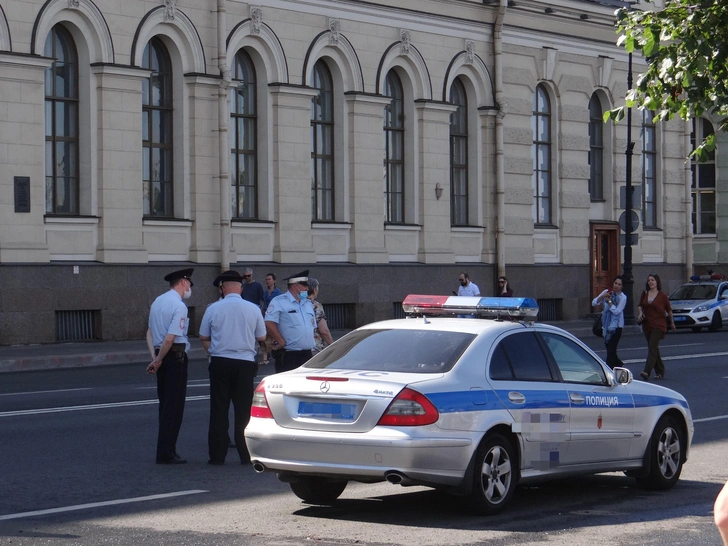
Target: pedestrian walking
321,333
168,346
252,289
290,320
467,287
229,330
654,313
612,302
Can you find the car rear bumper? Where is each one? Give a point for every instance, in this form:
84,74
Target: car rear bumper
364,457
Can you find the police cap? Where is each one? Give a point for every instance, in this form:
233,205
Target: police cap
230,275
181,274
301,276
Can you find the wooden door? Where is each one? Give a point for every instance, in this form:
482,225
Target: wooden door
605,263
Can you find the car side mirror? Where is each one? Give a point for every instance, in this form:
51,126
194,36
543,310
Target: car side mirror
623,376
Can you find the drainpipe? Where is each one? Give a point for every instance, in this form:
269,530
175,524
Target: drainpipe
500,232
223,117
688,200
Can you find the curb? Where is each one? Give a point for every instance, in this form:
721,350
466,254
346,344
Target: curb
49,362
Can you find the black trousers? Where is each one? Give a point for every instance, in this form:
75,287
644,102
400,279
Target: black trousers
231,380
654,360
290,360
612,359
171,391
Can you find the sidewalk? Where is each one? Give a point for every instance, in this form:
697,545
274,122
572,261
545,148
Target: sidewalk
19,358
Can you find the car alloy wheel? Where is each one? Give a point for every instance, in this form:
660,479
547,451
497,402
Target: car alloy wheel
494,476
666,455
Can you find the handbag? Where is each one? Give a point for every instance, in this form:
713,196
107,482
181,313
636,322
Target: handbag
597,327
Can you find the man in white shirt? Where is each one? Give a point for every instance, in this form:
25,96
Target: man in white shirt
466,287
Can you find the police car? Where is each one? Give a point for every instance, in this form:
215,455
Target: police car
703,302
468,405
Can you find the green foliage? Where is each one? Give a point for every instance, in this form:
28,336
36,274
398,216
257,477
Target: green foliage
686,49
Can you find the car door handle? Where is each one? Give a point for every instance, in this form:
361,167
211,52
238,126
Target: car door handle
516,397
576,398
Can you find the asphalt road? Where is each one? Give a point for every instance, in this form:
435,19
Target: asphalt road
77,467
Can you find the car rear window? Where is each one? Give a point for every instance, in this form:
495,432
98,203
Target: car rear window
695,292
410,351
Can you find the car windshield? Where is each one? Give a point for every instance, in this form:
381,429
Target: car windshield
695,292
410,351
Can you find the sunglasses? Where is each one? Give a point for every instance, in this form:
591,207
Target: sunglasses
303,284
247,276
501,282
461,280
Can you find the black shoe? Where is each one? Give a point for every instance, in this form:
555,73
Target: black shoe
216,463
174,459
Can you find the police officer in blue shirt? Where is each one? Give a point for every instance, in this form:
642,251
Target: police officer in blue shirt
168,346
228,332
290,321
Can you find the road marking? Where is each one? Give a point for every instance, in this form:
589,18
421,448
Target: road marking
98,504
676,357
44,392
92,406
716,418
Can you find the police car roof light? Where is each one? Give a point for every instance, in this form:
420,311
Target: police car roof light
514,308
713,277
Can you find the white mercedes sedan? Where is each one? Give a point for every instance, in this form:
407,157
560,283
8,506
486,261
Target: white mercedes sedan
474,406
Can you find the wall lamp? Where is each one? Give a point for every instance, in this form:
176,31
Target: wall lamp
438,191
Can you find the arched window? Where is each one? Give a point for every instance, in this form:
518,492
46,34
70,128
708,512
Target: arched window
322,144
541,154
243,139
649,170
596,149
703,181
459,155
61,123
157,131
394,150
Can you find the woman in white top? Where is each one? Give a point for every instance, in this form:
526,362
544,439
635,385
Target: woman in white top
613,302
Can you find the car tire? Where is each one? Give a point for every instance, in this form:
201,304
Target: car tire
494,475
315,490
696,329
717,322
665,457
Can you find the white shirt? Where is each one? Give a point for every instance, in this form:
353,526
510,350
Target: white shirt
470,290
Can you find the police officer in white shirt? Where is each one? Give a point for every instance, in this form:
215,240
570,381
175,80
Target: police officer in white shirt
290,320
168,346
229,330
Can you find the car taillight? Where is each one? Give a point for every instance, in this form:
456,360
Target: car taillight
260,408
410,409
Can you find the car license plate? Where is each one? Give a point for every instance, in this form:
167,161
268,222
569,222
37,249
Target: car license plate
679,319
326,410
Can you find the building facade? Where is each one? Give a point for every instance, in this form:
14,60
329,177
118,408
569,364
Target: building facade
384,145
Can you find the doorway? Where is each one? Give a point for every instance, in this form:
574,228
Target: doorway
605,264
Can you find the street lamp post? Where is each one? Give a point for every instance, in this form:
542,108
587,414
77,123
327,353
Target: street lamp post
627,277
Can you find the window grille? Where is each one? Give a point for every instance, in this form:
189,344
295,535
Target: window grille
77,325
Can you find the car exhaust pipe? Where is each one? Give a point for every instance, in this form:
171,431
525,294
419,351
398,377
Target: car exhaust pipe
397,478
259,467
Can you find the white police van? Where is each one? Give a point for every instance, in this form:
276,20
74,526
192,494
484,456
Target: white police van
701,303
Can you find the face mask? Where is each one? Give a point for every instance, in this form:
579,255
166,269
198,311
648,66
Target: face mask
303,294
188,294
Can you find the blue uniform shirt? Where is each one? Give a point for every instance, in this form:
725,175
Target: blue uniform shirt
233,324
295,319
168,315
